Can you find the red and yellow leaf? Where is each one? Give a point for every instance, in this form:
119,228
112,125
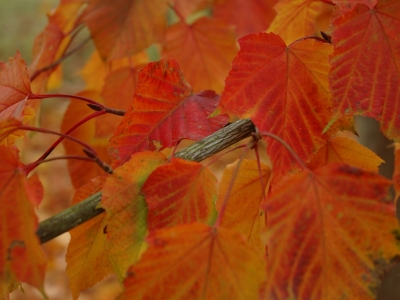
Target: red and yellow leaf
243,213
126,209
365,75
194,261
14,88
164,111
21,257
284,90
87,259
249,16
204,51
329,233
295,19
346,151
179,192
123,27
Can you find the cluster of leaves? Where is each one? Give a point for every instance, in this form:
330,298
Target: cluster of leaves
317,224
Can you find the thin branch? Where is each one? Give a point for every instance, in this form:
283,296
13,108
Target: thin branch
87,209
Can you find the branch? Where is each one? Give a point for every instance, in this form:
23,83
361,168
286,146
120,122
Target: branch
87,209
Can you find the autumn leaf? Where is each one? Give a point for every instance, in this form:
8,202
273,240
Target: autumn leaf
329,231
87,259
284,90
365,74
179,192
295,19
95,133
20,255
204,51
123,27
127,210
346,151
249,16
14,88
243,213
164,111
343,6
194,261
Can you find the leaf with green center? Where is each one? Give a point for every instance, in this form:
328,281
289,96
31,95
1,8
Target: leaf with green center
126,209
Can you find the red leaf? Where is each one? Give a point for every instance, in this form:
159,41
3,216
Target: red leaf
330,233
14,88
163,112
365,76
179,192
284,90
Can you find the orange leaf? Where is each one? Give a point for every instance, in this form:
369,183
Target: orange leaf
243,213
284,90
329,233
346,151
361,84
127,210
204,51
249,16
164,111
14,88
123,27
194,261
295,19
179,192
20,254
96,133
87,259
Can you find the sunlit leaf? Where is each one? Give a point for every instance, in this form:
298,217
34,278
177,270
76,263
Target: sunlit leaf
295,19
20,255
87,259
126,209
330,234
204,51
195,261
243,213
347,151
122,27
365,76
164,111
179,192
284,90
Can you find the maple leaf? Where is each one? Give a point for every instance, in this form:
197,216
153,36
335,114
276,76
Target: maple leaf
14,88
361,85
284,90
20,255
179,192
248,16
123,27
243,213
204,51
127,210
346,151
328,233
164,111
95,133
194,261
87,260
295,19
